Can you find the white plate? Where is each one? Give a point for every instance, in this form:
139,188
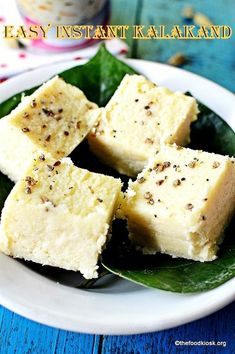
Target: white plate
122,307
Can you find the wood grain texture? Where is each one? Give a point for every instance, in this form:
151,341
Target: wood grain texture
217,327
215,60
124,12
19,335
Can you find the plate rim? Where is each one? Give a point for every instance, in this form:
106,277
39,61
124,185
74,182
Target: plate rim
111,329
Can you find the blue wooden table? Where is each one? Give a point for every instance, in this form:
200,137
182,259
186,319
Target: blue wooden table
214,60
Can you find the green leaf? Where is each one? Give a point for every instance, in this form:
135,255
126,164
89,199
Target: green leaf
5,187
7,106
167,273
221,137
68,277
99,79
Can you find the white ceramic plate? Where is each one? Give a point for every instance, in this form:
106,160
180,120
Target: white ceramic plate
122,307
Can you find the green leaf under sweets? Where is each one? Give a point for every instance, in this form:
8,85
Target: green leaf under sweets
68,277
167,273
7,106
211,133
99,79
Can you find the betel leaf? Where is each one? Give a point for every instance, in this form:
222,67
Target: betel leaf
167,273
211,133
5,187
7,106
99,79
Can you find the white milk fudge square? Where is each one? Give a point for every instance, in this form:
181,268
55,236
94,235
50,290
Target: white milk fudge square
139,117
54,119
59,215
181,203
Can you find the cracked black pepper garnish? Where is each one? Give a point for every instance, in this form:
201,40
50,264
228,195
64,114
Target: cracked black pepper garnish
48,138
28,190
26,115
149,141
48,112
33,104
57,163
151,201
91,189
42,157
50,168
44,199
141,180
166,164
25,130
202,218
30,181
189,206
176,182
216,164
78,125
148,195
192,164
159,167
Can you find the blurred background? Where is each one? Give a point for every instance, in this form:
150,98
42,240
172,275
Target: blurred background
213,59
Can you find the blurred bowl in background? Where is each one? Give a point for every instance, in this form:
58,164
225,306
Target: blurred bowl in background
62,12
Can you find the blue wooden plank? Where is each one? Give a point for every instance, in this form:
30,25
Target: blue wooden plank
74,343
124,13
217,327
212,59
19,335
